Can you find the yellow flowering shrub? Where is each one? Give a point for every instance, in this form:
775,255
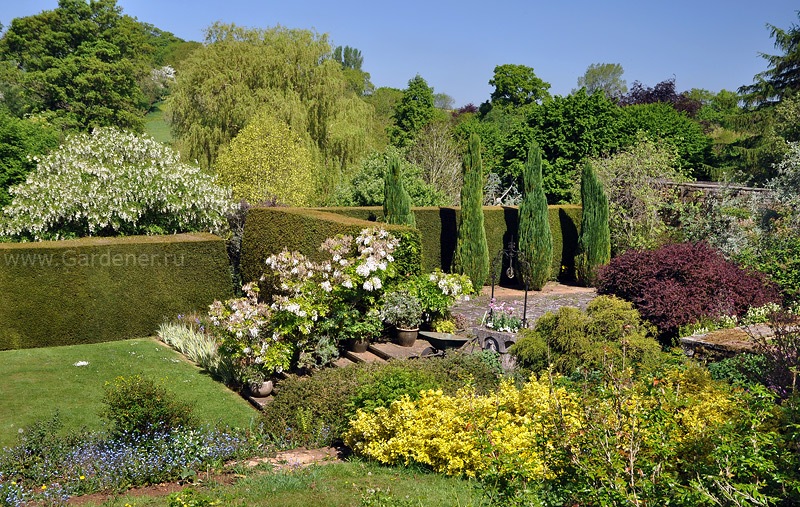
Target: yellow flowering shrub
462,434
542,429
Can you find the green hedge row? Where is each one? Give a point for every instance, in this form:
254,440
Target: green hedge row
268,230
102,289
438,227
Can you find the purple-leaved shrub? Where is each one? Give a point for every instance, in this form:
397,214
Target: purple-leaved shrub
680,283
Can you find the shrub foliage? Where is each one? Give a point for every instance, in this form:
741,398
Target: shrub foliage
682,283
610,333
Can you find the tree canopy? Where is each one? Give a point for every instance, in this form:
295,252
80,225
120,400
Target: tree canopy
83,63
415,109
517,85
266,161
241,71
604,77
783,75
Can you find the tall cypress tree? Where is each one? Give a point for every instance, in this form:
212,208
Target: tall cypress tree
535,238
472,252
396,201
594,245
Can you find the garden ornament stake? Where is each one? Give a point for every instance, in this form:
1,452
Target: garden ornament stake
523,268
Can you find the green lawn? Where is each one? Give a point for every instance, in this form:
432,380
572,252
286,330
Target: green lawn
37,382
341,484
156,126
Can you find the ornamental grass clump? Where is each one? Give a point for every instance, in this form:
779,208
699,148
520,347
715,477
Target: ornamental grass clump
111,183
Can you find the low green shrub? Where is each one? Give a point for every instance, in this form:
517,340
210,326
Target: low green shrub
739,369
138,406
609,333
388,385
314,410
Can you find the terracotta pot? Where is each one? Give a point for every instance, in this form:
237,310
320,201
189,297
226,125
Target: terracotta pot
406,337
358,346
261,390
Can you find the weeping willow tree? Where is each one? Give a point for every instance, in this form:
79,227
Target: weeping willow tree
290,73
472,251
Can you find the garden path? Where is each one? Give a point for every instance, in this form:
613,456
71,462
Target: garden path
553,296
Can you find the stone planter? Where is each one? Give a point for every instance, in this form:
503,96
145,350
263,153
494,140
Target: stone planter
261,390
405,337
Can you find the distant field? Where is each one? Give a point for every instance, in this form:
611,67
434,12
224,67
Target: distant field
156,125
37,382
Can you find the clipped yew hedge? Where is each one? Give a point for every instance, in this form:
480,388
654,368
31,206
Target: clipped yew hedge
268,230
103,289
438,228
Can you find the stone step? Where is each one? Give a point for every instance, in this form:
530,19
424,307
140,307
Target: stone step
389,350
363,357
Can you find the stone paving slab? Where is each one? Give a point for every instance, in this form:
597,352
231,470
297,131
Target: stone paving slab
363,357
389,350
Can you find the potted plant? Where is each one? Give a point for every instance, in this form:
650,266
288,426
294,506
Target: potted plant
402,310
357,328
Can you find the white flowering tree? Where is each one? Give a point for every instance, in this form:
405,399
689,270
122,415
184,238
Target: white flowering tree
112,182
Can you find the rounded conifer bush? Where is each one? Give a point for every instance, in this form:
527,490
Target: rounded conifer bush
678,284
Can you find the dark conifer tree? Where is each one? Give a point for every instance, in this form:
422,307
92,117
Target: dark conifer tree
594,244
472,252
396,201
535,238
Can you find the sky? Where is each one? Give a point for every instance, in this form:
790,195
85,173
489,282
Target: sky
456,44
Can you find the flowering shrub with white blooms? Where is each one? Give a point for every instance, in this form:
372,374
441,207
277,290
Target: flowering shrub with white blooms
241,328
112,182
335,298
437,292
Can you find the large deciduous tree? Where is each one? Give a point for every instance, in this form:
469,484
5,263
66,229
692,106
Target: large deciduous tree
82,61
568,129
662,121
472,251
415,110
517,85
438,156
535,237
21,139
604,77
266,161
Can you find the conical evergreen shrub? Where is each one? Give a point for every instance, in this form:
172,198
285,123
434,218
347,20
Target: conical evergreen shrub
472,252
535,237
594,244
396,201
